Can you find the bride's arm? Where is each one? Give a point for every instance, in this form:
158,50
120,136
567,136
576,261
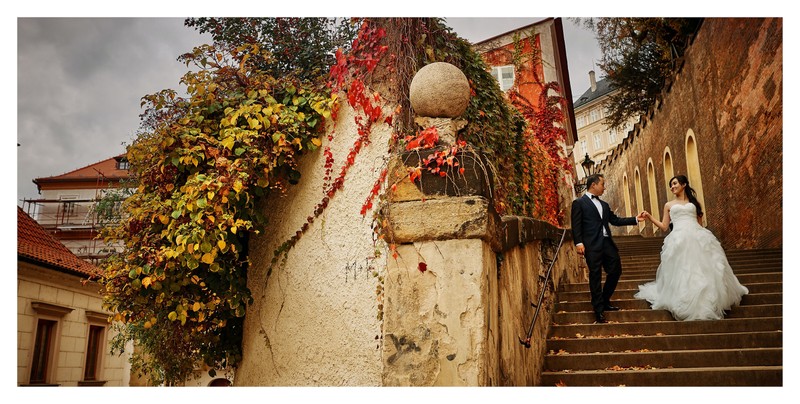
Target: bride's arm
661,225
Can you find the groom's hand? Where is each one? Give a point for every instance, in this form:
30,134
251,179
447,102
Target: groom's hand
580,249
642,216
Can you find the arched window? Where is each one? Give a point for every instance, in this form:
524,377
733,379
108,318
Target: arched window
693,169
626,194
637,185
651,190
669,171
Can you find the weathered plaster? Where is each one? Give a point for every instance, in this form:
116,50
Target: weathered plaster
314,319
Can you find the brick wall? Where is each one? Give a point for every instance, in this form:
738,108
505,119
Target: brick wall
728,94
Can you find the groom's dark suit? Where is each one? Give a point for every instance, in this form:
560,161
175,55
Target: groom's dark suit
600,250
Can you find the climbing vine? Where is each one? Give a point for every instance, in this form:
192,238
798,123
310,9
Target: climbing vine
203,162
179,289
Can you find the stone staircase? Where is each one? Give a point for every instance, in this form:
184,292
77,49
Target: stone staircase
644,347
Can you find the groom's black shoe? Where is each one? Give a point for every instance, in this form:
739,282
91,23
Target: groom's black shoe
609,307
600,318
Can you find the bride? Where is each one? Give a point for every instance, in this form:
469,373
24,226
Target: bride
694,280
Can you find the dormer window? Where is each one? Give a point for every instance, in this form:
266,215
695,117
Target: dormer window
123,164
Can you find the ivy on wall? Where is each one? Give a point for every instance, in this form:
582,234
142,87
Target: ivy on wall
202,162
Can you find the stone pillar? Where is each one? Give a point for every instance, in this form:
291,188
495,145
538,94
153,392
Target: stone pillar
440,293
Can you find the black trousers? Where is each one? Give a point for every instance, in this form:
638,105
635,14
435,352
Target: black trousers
608,259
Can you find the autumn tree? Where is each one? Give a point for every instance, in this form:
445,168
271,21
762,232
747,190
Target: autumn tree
201,162
639,55
304,47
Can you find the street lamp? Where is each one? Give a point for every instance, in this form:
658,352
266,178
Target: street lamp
588,169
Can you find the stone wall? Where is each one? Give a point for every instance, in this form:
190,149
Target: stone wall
728,96
529,245
458,297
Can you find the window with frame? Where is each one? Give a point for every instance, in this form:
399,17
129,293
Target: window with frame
583,147
612,136
581,121
45,343
594,115
94,350
598,143
43,350
504,76
123,164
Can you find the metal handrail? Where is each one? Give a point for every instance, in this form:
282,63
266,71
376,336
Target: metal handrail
527,341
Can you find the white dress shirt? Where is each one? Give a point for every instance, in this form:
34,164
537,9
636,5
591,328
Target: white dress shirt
596,202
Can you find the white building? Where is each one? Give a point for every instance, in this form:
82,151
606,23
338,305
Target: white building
595,138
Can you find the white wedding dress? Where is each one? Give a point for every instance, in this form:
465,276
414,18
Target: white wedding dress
694,280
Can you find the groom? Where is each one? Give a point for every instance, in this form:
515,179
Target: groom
592,237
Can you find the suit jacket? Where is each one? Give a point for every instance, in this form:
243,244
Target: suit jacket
587,226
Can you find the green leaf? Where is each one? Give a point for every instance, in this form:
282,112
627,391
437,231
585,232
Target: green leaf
239,151
202,202
176,214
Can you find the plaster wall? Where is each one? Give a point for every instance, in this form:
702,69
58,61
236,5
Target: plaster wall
315,316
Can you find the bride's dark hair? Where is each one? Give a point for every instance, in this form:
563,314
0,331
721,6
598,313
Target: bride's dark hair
689,191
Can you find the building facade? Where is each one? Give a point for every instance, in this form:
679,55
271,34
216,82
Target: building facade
529,57
68,208
63,333
595,138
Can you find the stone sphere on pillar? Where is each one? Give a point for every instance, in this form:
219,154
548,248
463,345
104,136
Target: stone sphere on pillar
439,90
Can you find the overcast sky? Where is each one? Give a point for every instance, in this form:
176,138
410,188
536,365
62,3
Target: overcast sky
80,81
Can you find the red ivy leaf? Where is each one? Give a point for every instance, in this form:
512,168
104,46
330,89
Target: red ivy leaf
422,267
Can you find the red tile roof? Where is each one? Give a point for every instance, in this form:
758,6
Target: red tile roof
35,244
106,169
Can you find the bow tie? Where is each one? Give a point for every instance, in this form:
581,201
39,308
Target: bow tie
595,197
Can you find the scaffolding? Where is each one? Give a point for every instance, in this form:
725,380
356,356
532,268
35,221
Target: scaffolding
76,223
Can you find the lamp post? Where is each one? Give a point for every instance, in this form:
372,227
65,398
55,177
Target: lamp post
588,169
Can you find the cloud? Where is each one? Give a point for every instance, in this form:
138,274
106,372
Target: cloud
80,83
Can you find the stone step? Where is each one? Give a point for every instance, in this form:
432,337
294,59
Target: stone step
625,342
581,302
666,359
644,347
625,283
704,376
668,327
634,315
634,272
629,270
734,261
626,292
647,255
